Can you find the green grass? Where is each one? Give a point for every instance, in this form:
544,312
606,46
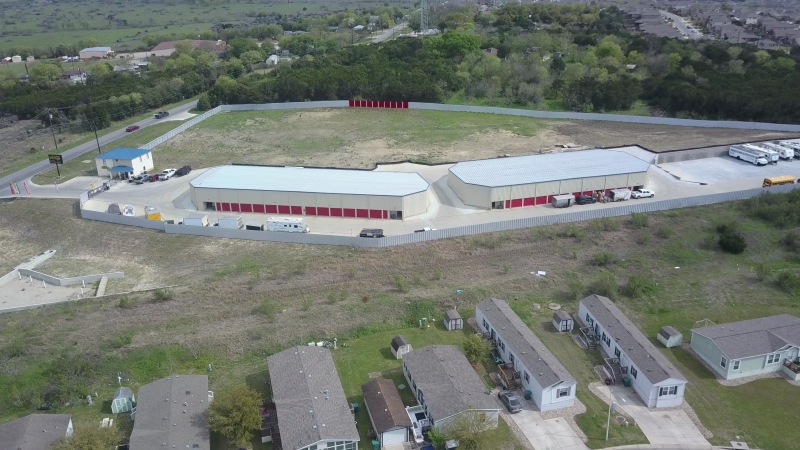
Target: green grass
639,108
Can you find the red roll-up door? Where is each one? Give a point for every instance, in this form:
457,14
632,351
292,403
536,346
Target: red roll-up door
381,104
508,204
369,103
608,191
351,103
375,214
349,212
219,206
336,212
516,203
226,206
284,209
271,209
589,193
386,214
322,211
530,201
311,211
363,213
405,105
246,207
235,207
541,200
297,210
258,209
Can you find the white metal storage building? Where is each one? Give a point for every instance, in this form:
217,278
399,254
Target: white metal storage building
311,192
533,180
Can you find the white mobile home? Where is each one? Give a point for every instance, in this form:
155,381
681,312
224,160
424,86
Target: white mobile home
631,354
534,367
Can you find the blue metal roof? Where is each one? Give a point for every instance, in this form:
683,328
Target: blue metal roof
121,169
123,153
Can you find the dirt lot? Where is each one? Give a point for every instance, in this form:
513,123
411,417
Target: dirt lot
361,138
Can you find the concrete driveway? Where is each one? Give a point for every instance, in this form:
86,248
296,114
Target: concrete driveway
550,434
660,427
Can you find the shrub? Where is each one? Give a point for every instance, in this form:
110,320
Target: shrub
665,232
730,240
605,284
162,295
639,220
124,303
401,284
266,308
788,281
575,286
437,274
791,240
605,224
644,238
305,305
762,273
640,285
603,259
475,348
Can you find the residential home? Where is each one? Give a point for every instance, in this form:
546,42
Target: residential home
124,163
386,411
312,410
750,347
446,387
532,367
75,76
172,413
630,354
96,53
35,431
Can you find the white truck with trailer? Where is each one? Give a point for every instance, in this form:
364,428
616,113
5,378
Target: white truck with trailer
792,145
287,224
771,155
783,152
756,157
232,222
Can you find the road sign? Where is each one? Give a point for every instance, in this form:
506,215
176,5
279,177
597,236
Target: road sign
56,159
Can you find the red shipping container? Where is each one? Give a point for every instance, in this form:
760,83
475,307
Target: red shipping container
530,201
297,210
336,212
516,203
283,209
258,209
351,103
348,212
405,105
246,207
226,206
375,214
322,211
311,211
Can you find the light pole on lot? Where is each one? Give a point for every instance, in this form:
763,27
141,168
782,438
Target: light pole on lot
611,408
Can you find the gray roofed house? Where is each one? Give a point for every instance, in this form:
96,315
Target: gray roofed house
309,400
751,347
654,378
35,431
551,385
386,411
172,413
446,385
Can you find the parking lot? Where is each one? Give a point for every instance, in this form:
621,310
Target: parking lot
727,170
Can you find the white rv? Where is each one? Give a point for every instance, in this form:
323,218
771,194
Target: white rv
783,151
748,154
234,222
771,155
792,145
288,224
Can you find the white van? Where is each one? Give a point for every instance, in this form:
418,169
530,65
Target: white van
197,220
233,222
288,224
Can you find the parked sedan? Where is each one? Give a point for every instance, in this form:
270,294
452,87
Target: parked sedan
154,177
642,193
510,401
132,128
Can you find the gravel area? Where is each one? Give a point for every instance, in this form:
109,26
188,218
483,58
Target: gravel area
738,381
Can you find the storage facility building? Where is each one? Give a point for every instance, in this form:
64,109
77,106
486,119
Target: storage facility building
96,53
515,182
311,192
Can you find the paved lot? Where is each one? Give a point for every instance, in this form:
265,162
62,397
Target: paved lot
23,294
550,434
727,169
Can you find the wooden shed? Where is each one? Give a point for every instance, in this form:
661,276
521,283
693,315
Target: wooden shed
123,400
562,321
669,336
453,320
400,346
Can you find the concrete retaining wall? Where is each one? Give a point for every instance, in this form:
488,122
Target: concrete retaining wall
690,154
122,220
55,281
272,236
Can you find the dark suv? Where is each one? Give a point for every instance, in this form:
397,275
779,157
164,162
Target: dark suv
183,171
161,114
585,200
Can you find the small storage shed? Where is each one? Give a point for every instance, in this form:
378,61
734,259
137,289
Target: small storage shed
123,400
400,346
669,336
562,321
453,320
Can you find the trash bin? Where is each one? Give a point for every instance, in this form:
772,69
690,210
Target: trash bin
527,395
355,408
376,445
626,381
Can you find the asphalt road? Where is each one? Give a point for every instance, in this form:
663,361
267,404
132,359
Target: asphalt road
90,146
388,33
683,27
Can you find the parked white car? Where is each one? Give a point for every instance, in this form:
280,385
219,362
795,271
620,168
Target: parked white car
642,193
166,174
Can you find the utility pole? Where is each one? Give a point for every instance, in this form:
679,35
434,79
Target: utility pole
53,131
97,139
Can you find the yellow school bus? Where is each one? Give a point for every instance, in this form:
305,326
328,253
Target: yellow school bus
777,181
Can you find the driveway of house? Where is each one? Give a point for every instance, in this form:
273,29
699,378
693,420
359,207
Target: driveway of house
661,427
550,434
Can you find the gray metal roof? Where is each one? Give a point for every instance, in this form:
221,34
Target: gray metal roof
561,316
172,412
543,367
309,399
34,431
123,392
530,169
754,337
385,406
650,361
319,181
451,314
668,331
448,382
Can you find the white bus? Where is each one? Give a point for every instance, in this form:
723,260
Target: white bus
748,154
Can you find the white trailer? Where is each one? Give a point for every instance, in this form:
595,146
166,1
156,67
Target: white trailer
783,152
620,195
771,155
196,220
747,154
563,201
287,224
233,222
792,145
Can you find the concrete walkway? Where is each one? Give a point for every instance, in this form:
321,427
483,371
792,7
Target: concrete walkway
550,434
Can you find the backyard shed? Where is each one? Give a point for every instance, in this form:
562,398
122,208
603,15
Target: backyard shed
562,321
400,346
123,400
386,412
453,320
669,336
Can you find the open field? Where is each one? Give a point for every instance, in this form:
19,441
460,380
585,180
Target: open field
241,301
361,138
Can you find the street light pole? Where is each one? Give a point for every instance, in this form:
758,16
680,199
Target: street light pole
53,131
611,408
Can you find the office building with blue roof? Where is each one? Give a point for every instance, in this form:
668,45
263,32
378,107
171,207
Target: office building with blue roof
124,163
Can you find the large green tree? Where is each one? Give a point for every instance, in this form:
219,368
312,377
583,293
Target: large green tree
45,72
234,413
475,348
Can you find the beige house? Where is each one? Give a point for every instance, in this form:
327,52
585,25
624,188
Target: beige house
311,192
